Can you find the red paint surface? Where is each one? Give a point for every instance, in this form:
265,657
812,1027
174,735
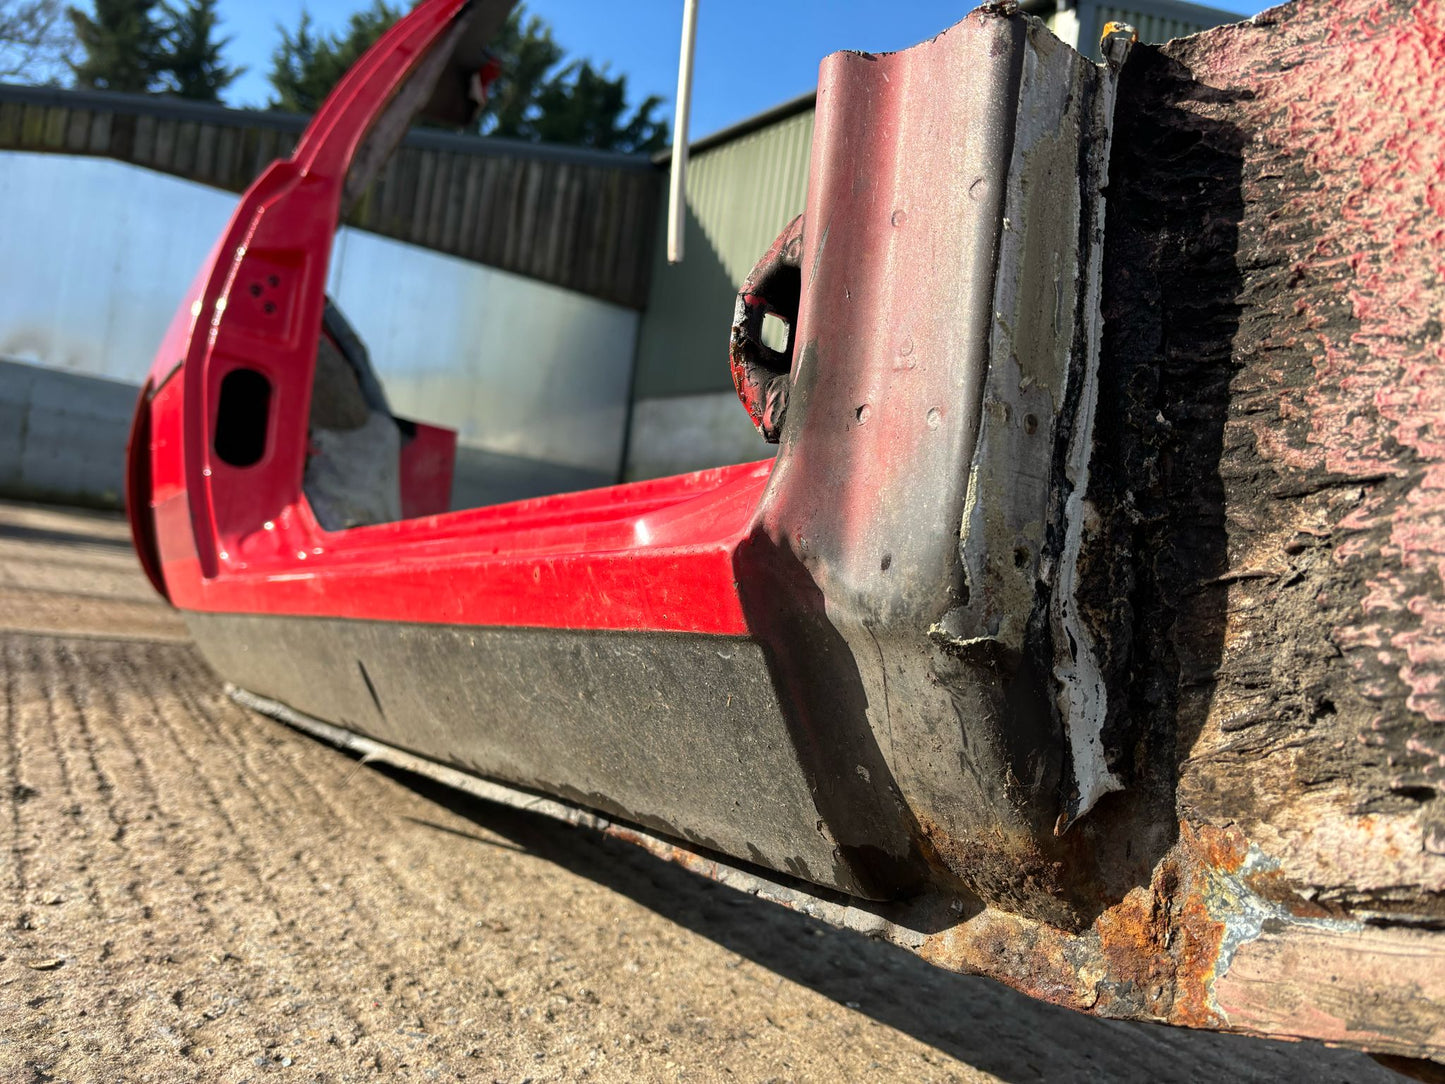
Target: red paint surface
1366,118
653,555
427,462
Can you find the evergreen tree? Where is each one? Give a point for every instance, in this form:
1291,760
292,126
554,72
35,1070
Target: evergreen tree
294,76
527,53
122,43
191,55
306,65
532,99
584,106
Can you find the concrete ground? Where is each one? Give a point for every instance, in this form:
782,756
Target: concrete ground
194,892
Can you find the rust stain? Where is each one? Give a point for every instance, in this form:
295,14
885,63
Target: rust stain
1224,849
1164,942
1198,937
1037,881
1199,931
1134,942
1152,955
1275,886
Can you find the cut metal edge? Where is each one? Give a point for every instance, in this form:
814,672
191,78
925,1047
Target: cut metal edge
1084,689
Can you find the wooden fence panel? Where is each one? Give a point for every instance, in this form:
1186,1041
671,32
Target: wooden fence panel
575,218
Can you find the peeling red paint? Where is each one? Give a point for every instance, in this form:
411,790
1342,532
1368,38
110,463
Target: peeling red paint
1367,118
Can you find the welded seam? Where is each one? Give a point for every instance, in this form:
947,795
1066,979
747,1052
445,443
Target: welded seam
1246,916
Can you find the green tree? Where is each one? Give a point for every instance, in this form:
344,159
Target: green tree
306,65
191,55
122,43
586,107
532,99
527,53
33,40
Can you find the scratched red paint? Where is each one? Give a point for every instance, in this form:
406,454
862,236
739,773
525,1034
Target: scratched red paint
1369,121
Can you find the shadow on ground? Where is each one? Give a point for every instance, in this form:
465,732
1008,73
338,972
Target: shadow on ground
972,1019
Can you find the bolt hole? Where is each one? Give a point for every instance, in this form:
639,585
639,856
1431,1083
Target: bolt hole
1022,556
887,562
241,417
273,280
863,413
255,289
269,308
1031,423
775,332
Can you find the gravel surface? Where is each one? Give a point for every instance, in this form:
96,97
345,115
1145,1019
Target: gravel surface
194,892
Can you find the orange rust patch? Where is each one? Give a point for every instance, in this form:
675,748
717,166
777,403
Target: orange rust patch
1160,945
1153,954
1007,870
1277,888
1197,936
1221,848
1134,940
1032,957
1196,940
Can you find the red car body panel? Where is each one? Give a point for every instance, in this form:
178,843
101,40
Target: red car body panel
649,556
892,678
821,665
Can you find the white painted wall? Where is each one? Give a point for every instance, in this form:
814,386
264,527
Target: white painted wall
95,255
94,258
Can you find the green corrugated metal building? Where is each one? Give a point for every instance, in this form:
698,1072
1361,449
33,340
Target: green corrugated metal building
744,184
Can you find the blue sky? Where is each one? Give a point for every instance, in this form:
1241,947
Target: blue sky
751,54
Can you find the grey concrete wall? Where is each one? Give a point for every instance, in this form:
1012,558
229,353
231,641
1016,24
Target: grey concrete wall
62,435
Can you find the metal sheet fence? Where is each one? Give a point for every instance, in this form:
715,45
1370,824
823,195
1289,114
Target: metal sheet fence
95,255
574,218
1155,22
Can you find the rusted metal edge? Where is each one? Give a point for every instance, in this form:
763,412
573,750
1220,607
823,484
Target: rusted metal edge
1203,945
